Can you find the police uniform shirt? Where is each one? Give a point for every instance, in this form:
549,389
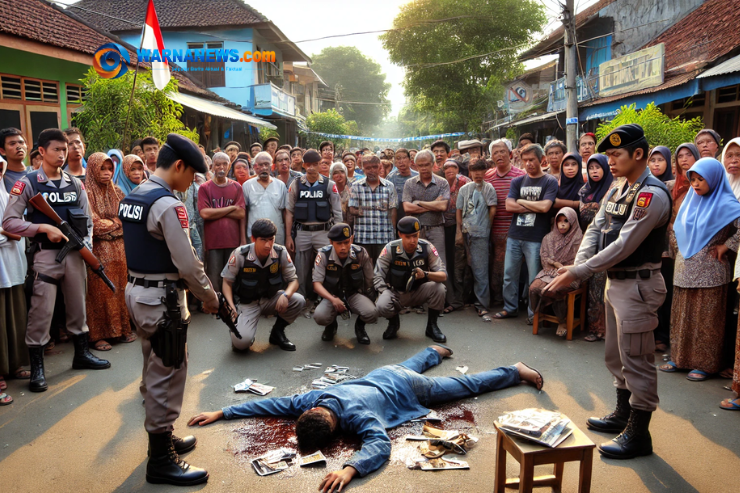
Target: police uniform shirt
168,220
334,200
366,263
384,261
236,263
652,209
22,192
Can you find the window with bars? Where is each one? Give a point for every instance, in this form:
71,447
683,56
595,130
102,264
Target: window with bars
210,74
727,94
75,94
25,89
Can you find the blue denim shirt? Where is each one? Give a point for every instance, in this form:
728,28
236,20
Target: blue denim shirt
384,399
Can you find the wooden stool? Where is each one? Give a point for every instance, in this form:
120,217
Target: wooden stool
571,323
577,447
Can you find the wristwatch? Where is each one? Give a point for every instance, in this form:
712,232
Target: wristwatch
426,274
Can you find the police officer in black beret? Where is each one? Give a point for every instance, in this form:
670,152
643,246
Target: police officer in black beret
343,276
627,239
161,262
409,272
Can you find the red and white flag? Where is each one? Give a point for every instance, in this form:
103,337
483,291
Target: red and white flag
151,39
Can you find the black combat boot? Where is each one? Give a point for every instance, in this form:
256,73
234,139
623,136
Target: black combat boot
277,336
165,466
38,380
634,441
616,421
182,445
360,332
84,359
394,325
432,329
330,331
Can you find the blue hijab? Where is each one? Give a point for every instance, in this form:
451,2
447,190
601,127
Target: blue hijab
121,179
703,216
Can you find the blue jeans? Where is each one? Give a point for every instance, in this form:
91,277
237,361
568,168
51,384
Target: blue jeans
435,390
518,251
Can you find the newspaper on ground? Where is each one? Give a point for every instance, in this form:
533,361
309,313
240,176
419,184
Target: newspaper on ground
462,369
315,458
252,386
441,464
437,443
548,428
273,462
243,386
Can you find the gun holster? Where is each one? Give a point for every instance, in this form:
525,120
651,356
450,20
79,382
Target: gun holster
78,220
169,342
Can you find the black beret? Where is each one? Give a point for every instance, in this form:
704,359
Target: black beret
620,137
340,232
271,139
409,225
311,156
188,151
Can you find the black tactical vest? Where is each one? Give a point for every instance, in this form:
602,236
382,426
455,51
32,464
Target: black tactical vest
400,268
618,211
344,280
144,253
255,282
66,203
312,204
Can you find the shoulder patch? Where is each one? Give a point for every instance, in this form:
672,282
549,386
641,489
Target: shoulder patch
232,260
287,255
182,215
18,188
384,252
334,188
639,213
318,258
434,250
643,200
82,185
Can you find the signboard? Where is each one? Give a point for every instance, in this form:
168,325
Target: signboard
557,100
519,97
638,70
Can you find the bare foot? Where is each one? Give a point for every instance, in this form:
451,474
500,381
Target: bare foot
562,330
530,375
443,351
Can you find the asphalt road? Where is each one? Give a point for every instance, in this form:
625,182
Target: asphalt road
86,432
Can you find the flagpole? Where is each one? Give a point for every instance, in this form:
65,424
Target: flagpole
133,87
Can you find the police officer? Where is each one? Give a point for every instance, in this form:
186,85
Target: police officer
260,278
66,195
343,276
626,239
313,208
398,262
161,260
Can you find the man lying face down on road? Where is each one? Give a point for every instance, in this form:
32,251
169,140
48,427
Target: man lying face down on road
385,398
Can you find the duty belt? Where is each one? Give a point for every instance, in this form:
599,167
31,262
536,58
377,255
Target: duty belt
155,283
631,274
315,227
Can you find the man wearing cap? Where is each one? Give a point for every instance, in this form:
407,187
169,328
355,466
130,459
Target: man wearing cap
271,145
255,149
161,260
627,240
343,276
409,273
260,278
314,206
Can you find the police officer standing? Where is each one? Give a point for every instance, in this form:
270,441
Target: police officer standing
313,208
399,262
260,278
162,265
343,276
627,240
66,195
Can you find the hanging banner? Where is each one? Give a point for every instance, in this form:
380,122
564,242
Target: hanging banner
380,139
638,70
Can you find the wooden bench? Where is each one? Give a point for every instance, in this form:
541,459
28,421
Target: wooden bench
577,447
571,322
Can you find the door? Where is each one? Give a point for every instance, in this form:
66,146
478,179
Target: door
726,122
40,118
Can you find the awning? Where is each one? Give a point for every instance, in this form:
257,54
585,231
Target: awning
211,108
727,67
531,119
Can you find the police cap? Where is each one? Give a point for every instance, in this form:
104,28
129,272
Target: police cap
311,156
409,225
340,232
626,135
186,150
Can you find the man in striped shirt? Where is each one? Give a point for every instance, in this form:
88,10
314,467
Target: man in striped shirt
500,177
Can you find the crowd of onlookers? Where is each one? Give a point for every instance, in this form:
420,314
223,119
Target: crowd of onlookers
503,216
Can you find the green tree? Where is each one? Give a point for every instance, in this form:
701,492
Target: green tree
659,128
461,94
328,122
356,78
103,115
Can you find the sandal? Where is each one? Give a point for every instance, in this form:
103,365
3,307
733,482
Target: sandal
448,309
129,338
702,375
504,314
593,338
51,345
669,367
730,404
3,383
21,374
542,379
5,399
102,345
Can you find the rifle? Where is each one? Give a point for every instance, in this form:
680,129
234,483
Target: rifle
75,241
227,315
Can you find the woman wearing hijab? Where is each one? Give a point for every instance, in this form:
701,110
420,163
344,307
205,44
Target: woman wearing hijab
559,248
571,182
707,143
107,315
659,162
132,174
686,155
731,162
706,228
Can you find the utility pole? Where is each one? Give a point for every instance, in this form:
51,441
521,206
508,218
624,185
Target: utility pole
571,93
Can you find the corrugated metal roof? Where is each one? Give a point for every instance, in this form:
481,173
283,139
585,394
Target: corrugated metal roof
531,119
727,67
214,109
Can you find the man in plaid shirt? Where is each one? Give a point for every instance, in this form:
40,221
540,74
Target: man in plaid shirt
374,203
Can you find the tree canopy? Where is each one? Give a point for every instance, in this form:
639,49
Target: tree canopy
356,78
429,34
328,122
